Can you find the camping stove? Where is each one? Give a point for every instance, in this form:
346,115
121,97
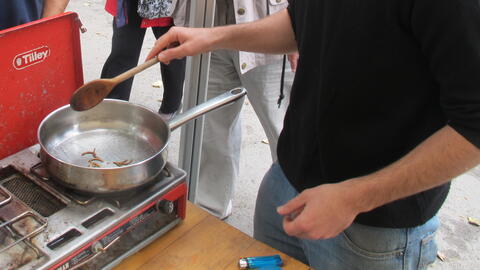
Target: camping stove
45,226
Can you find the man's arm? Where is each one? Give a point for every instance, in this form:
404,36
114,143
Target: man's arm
273,34
53,7
329,209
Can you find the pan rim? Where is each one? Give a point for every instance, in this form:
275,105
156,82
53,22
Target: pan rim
67,106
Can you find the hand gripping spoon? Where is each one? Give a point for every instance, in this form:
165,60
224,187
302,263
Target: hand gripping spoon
92,93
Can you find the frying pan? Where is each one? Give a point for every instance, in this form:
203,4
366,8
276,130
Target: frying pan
114,147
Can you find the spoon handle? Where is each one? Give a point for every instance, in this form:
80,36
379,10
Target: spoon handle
131,72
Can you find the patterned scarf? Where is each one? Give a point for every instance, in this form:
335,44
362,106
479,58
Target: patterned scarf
153,9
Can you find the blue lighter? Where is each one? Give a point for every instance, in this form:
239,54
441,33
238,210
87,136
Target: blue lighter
257,262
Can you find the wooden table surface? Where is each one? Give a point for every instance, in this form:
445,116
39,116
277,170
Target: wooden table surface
202,241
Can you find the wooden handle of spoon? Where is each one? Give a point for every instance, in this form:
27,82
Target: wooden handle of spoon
131,72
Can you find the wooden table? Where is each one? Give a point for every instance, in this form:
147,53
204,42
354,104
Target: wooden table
202,241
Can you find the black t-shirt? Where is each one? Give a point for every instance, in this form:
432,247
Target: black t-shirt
376,78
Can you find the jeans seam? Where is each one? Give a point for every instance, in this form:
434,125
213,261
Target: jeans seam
406,249
306,250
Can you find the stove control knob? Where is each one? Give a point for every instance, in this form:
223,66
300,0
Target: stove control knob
97,247
165,207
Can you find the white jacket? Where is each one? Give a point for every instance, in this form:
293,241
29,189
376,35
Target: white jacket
251,10
180,13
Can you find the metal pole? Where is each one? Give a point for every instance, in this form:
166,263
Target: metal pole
196,81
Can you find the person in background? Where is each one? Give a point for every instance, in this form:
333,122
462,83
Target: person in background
384,112
261,75
17,12
128,33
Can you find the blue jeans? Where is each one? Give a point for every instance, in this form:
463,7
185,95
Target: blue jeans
358,247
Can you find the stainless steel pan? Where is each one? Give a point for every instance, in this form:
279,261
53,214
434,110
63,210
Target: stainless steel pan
127,142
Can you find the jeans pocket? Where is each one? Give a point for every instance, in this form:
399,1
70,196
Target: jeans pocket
374,243
428,251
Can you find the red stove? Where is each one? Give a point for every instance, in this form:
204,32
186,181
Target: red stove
43,225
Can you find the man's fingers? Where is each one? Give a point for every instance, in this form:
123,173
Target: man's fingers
291,210
299,227
163,42
292,205
293,66
293,59
303,227
170,54
291,227
154,51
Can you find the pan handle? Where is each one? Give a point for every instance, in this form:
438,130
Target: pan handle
209,105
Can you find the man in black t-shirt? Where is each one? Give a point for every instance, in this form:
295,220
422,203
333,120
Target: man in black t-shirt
17,12
384,112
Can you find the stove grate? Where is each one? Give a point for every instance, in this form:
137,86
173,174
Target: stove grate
33,195
4,197
15,250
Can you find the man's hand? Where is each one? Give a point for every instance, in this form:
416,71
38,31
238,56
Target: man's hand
181,41
272,34
329,209
321,212
293,59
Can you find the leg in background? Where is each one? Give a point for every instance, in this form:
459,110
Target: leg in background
263,86
173,76
126,45
221,141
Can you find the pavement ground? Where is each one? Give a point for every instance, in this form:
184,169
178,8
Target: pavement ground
458,241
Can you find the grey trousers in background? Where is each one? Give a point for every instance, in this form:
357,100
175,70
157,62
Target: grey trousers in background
222,135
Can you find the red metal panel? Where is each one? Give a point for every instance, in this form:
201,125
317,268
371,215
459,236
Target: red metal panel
179,194
40,67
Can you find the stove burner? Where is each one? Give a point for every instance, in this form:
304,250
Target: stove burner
4,197
24,227
17,255
119,199
33,195
16,249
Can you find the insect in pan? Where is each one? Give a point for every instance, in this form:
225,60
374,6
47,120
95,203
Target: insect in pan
93,162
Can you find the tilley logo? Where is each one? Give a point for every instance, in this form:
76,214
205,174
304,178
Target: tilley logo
31,57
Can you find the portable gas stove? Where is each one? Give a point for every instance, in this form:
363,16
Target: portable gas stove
45,226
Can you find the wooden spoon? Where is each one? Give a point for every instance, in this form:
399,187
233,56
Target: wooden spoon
92,93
